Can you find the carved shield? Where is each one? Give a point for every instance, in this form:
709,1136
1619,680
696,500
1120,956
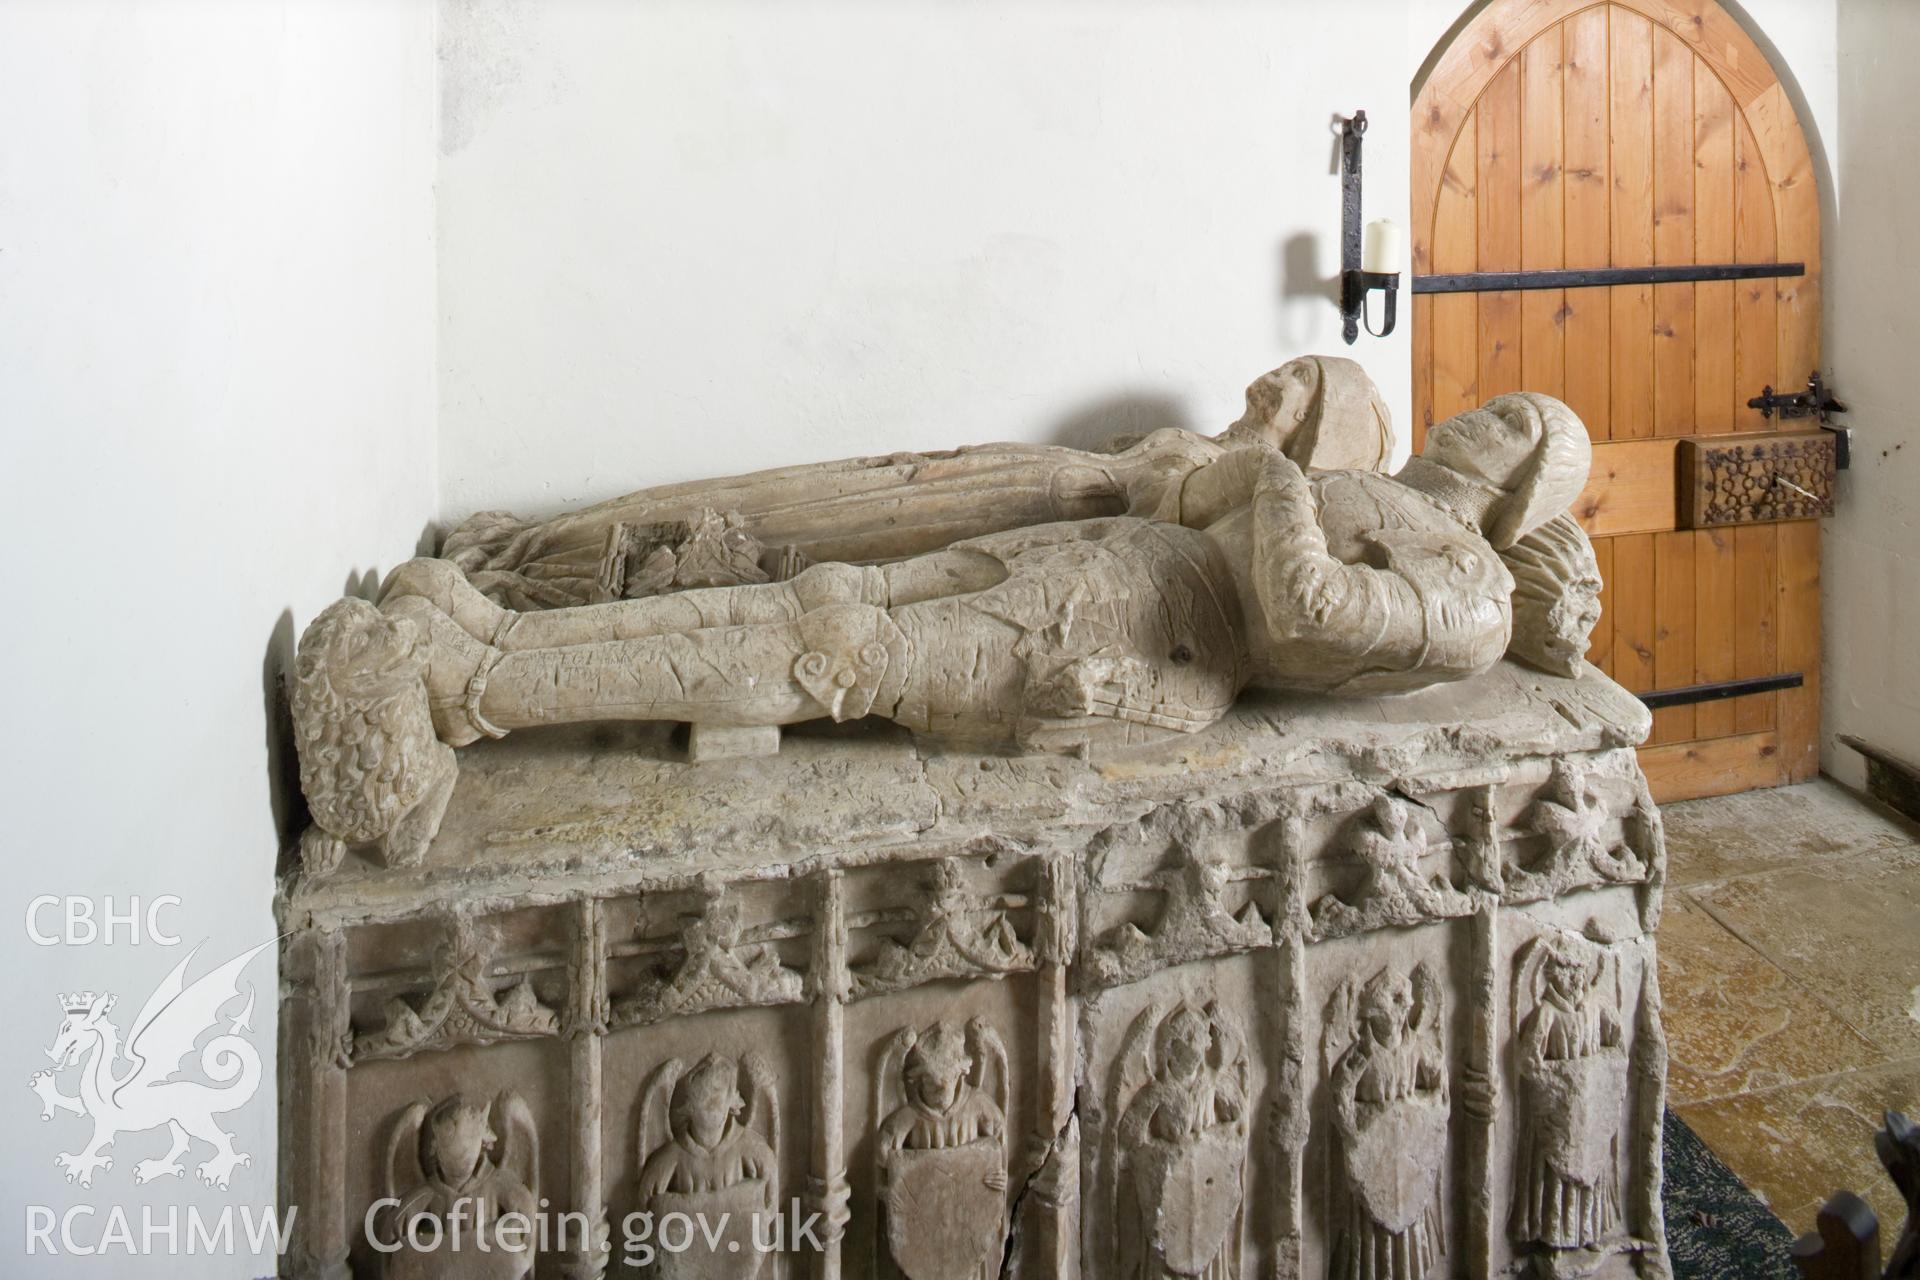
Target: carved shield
1191,1194
1395,1159
1577,1113
943,1221
728,1218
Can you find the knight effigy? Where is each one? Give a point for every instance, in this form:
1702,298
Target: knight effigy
1204,856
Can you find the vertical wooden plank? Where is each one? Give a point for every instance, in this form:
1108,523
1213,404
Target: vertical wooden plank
1713,128
1542,212
1673,646
1754,308
1797,228
1713,627
1673,229
1756,587
1456,325
1630,155
1588,312
1499,229
1600,649
1632,609
1713,384
1422,369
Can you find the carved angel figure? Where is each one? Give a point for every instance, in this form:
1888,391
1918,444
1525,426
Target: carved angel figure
708,1137
1387,1067
1573,1081
941,1151
474,1166
1113,627
1179,1146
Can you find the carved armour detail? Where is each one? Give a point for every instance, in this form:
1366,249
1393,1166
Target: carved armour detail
463,1007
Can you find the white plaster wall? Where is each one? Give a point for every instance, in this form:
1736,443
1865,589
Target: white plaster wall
216,413
1871,560
680,240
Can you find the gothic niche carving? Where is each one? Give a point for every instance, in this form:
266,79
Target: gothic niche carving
1194,922
473,1168
708,1134
462,1007
1386,1062
1573,816
1178,1150
1390,842
959,935
1573,1081
941,1151
717,968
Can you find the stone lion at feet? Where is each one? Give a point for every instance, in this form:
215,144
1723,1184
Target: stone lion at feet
373,771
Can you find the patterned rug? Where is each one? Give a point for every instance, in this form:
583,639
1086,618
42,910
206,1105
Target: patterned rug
1716,1228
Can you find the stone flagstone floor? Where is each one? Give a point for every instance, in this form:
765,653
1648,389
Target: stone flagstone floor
1790,967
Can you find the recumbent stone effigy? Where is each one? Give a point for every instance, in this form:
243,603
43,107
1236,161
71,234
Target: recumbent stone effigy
1210,857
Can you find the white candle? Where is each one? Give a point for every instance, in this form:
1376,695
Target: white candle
1384,248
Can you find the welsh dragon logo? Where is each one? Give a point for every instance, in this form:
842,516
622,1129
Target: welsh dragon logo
143,1085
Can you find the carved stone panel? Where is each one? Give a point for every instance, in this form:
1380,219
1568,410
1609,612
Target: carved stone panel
466,1004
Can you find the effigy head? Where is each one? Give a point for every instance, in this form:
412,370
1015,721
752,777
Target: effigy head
1324,412
362,724
1530,447
1182,1042
1556,596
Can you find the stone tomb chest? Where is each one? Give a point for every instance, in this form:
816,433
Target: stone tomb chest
1349,988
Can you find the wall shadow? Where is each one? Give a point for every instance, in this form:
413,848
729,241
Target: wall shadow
1129,414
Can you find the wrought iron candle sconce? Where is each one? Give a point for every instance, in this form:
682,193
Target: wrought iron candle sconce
1377,265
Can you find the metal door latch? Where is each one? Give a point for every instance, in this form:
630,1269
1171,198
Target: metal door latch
1816,402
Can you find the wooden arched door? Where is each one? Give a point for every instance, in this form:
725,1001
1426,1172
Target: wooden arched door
1565,134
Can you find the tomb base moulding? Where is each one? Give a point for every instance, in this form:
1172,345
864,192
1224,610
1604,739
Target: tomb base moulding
1343,987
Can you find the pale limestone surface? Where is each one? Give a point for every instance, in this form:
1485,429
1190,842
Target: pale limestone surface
1266,999
1138,864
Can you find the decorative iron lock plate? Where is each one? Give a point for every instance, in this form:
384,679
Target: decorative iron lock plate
1756,478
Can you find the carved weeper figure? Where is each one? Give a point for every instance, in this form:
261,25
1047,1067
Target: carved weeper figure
1573,1078
1180,1144
707,1141
1352,582
1387,1068
468,1165
941,1151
